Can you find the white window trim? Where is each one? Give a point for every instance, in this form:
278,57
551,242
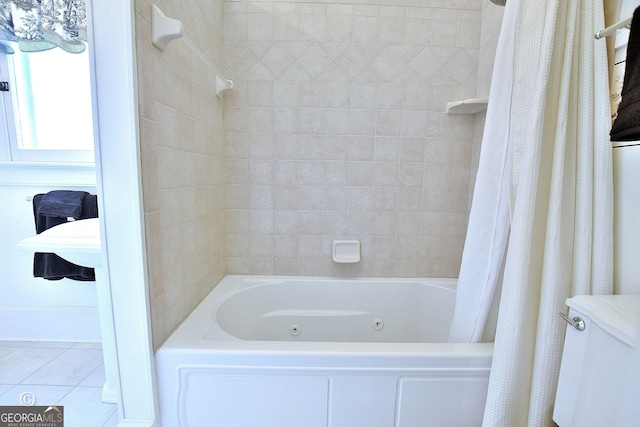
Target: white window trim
9,150
5,116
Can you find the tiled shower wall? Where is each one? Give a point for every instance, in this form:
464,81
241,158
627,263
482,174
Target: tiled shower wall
336,129
183,159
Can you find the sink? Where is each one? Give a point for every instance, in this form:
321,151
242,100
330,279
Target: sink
79,242
76,241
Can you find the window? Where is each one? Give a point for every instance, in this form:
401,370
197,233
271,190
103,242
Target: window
48,106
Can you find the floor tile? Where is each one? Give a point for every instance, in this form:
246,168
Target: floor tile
112,421
95,378
6,350
12,343
21,363
63,374
42,394
5,388
69,368
49,344
83,408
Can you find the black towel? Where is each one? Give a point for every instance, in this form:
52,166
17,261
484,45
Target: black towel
62,203
50,266
626,126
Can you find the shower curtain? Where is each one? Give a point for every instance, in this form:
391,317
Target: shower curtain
488,229
558,167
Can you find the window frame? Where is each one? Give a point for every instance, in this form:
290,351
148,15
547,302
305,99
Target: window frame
10,149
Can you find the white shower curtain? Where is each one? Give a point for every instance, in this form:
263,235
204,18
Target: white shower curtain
560,179
488,230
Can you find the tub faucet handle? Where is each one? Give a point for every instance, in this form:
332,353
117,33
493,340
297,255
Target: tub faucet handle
576,322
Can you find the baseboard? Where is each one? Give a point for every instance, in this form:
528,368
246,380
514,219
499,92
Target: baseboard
136,423
41,323
109,394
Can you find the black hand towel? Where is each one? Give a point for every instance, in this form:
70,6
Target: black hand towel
62,203
627,124
50,266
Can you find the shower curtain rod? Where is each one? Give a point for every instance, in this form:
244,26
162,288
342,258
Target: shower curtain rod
612,29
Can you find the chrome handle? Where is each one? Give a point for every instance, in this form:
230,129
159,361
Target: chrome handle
576,322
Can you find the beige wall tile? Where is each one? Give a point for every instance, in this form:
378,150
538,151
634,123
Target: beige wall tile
181,139
351,102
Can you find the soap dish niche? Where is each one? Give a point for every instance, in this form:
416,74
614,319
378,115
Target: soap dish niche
346,251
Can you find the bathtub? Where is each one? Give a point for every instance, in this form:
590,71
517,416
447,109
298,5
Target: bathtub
306,352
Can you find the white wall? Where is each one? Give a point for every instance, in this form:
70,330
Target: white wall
35,308
626,228
626,175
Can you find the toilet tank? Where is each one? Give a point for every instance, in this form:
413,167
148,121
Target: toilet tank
594,386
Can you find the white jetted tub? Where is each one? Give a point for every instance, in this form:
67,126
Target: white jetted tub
306,352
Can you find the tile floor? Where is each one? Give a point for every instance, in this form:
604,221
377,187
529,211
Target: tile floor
57,373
